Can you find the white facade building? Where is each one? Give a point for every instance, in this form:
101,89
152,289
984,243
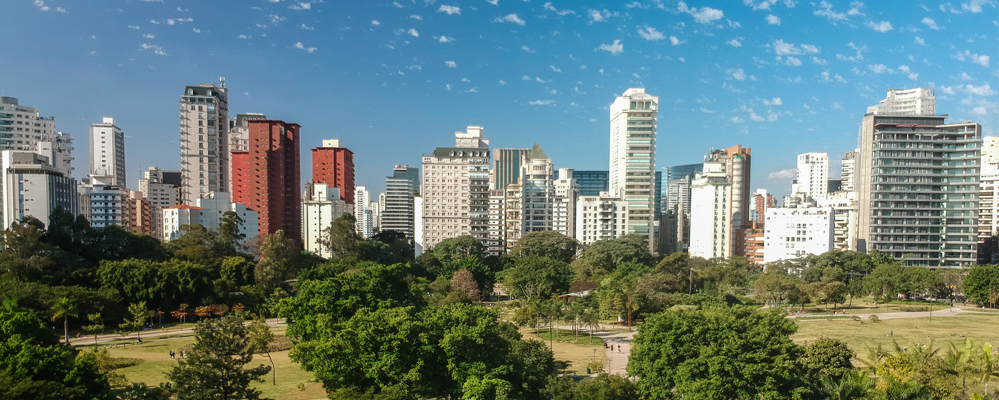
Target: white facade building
988,196
208,213
919,101
363,214
710,213
204,141
107,154
813,175
849,171
160,195
566,194
33,187
321,205
633,118
108,205
455,189
796,232
418,225
600,218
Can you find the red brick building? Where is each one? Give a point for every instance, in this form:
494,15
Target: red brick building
240,169
274,175
333,165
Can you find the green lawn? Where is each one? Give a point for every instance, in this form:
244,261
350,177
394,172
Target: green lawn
565,336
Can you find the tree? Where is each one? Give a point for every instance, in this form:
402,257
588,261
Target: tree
341,238
853,385
277,261
717,353
459,248
139,314
96,325
774,285
625,280
827,358
464,282
550,244
602,387
63,309
24,255
216,368
231,236
535,276
261,338
604,256
982,283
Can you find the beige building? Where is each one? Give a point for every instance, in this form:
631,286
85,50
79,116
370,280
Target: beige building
159,193
600,218
204,141
633,118
456,189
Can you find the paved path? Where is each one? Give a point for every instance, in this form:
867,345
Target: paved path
865,314
114,338
616,361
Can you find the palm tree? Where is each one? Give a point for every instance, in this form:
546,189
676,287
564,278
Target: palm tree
63,309
853,385
960,360
592,320
911,390
985,365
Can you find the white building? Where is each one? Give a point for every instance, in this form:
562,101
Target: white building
363,213
31,186
844,206
813,175
455,189
710,213
633,118
204,141
796,232
496,243
988,196
919,101
108,205
321,205
160,195
566,194
849,168
536,197
178,216
397,212
600,218
208,213
418,225
107,154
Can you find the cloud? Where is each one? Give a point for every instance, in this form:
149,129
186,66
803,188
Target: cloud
300,46
301,6
793,61
878,68
548,6
738,120
502,82
196,30
975,6
650,33
413,33
539,80
493,2
704,15
755,117
984,90
948,89
783,174
451,64
417,17
445,39
527,49
775,102
275,19
920,41
133,27
773,19
819,61
447,87
465,80
737,74
966,77
706,111
783,48
244,37
883,26
836,106
375,22
979,59
859,56
554,69
734,42
42,7
825,10
149,36
450,10
930,23
311,28
159,50
397,5
541,102
675,41
598,16
613,48
511,18
810,48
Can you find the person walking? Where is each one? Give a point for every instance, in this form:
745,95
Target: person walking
171,355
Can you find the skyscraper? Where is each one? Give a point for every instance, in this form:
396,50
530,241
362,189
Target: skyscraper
31,186
633,118
917,185
399,214
107,154
363,214
160,194
333,165
536,196
321,206
919,101
275,176
239,146
849,165
988,218
204,141
455,189
813,175
506,167
711,212
736,162
591,183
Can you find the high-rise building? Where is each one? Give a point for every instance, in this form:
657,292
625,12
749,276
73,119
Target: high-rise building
496,241
988,196
735,162
363,215
813,174
399,213
204,141
208,213
107,205
711,228
22,127
600,217
333,165
762,201
506,167
537,183
848,168
591,183
633,118
796,232
566,194
239,144
321,205
107,154
418,222
141,214
919,101
160,194
32,187
917,185
455,189
275,176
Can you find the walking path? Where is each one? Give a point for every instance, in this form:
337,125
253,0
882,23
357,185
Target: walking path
114,338
947,312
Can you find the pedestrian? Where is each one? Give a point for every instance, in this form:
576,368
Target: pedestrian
619,349
182,354
892,334
612,347
171,355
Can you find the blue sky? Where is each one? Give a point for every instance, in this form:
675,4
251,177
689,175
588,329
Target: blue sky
393,80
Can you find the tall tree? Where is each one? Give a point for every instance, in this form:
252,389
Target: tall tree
216,368
625,280
231,236
277,261
25,256
549,244
138,315
261,338
63,309
535,276
458,249
341,238
602,257
464,282
96,325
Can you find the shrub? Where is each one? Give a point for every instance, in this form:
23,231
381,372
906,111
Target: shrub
874,319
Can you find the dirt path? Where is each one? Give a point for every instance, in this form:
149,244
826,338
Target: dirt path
113,338
947,312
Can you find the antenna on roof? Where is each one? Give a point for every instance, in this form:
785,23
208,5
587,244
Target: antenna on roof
222,80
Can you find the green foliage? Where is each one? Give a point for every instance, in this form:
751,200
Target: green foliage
278,261
260,340
602,387
399,247
827,358
853,385
774,286
982,284
482,273
63,309
216,367
341,237
24,255
163,284
550,244
139,314
457,249
536,276
736,352
604,256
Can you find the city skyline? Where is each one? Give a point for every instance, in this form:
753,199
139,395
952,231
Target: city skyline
717,66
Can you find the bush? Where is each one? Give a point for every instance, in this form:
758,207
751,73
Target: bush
914,308
856,318
874,319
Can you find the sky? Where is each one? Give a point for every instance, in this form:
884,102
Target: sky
395,79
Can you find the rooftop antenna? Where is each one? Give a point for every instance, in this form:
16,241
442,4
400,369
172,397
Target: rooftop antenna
222,80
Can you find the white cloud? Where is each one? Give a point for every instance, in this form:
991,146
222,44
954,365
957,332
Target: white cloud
539,80
675,41
836,106
301,6
397,5
738,120
244,37
450,10
541,102
149,36
133,27
554,69
413,33
613,48
734,42
825,10
773,19
548,6
706,111
447,87
755,117
883,26
859,56
41,6
525,78
825,75
704,15
984,90
375,22
966,77
275,19
415,67
979,111
808,48
784,48
930,23
502,82
417,17
793,61
445,39
451,64
300,46
948,89
196,30
598,16
878,68
465,80
527,49
511,18
982,60
975,6
159,50
920,41
775,102
493,2
737,74
783,174
306,27
819,61
650,33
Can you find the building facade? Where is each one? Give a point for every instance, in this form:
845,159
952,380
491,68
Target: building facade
711,212
813,175
591,183
633,118
239,142
363,214
204,141
160,195
399,214
566,194
506,167
32,187
275,176
796,232
919,101
455,189
321,205
107,154
333,165
988,195
600,217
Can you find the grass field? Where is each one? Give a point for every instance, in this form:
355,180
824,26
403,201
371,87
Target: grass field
565,336
573,357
